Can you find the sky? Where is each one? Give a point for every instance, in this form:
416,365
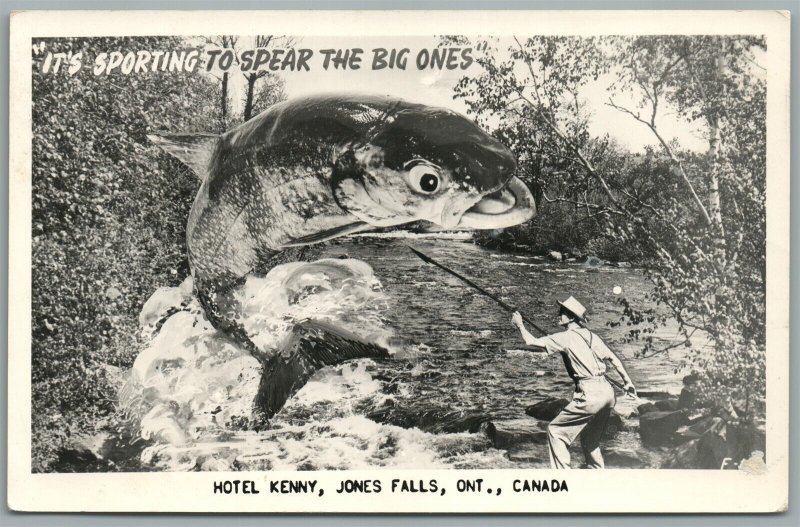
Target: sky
435,87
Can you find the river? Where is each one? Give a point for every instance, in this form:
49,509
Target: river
457,367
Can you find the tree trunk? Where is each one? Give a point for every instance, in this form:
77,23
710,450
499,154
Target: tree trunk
224,98
722,293
714,201
713,185
251,88
536,179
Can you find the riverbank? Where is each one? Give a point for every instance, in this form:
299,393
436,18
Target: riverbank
455,374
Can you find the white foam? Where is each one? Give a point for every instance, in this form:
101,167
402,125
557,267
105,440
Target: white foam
341,443
191,384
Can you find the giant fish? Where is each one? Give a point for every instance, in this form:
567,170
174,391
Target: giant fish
316,168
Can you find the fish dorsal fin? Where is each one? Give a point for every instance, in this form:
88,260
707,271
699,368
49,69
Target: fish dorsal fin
194,150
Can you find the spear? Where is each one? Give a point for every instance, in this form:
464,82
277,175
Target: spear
510,309
507,307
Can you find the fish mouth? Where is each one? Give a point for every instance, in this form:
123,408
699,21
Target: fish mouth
511,205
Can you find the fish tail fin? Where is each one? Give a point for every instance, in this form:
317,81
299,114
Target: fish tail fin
194,150
312,345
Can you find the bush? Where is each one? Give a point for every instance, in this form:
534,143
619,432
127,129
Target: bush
109,215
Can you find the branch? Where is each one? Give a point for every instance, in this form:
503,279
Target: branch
672,346
693,76
590,216
586,204
576,150
262,41
681,319
669,68
673,157
670,224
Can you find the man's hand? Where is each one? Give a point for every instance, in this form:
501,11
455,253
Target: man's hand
630,390
516,319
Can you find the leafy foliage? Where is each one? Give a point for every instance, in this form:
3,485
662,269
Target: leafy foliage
697,220
109,216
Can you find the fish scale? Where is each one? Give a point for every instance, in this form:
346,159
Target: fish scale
316,168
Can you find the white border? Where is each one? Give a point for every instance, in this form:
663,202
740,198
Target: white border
589,491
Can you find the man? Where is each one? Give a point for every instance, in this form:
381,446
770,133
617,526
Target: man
584,354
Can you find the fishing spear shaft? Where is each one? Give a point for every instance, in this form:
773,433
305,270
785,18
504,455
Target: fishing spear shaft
427,259
507,307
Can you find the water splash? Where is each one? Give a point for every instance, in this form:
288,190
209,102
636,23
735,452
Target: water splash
190,392
368,414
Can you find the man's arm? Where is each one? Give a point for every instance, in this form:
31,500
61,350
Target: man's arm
626,379
537,344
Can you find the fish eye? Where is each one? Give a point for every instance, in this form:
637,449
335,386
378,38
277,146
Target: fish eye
423,177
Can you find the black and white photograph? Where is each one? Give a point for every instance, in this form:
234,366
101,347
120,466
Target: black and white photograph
443,265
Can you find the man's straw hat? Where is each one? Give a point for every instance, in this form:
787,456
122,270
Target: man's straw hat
574,307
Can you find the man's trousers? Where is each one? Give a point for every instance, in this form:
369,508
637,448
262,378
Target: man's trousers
587,415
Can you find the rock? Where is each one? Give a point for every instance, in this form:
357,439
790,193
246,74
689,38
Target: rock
720,445
687,399
615,424
626,407
214,465
697,415
435,420
713,448
684,456
72,459
84,454
707,424
575,253
528,454
514,432
697,429
691,379
653,394
555,255
646,408
667,405
622,458
744,440
546,410
161,424
623,264
657,428
594,261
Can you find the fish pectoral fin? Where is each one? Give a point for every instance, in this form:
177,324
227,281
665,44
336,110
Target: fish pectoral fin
323,236
193,150
311,346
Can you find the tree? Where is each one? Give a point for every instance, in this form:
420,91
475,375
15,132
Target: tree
262,89
225,42
270,90
253,90
698,221
714,80
542,118
108,214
